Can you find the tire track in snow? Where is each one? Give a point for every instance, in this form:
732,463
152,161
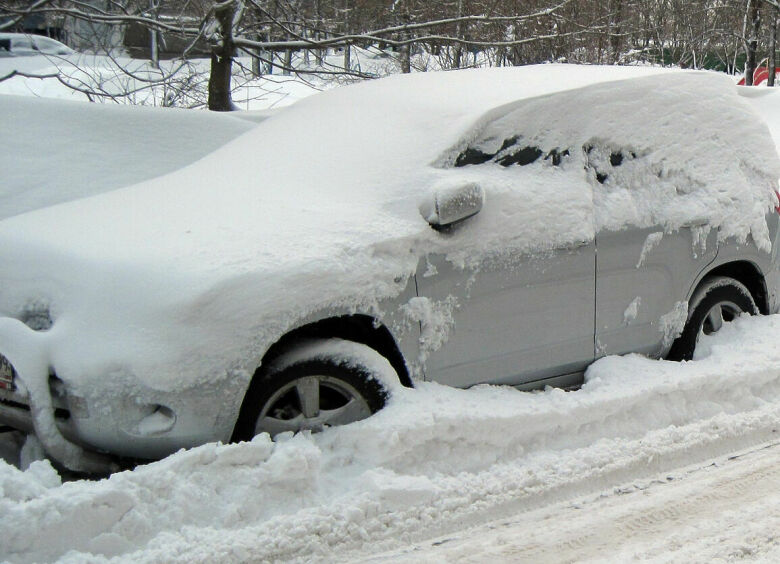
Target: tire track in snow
648,523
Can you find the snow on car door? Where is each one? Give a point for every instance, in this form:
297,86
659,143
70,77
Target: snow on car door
641,276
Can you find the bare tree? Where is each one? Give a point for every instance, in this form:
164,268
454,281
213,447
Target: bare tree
280,34
752,23
772,15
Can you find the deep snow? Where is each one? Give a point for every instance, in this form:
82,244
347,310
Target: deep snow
121,80
723,511
436,460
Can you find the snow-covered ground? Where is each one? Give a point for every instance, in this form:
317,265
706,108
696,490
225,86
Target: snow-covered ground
60,152
722,511
435,462
118,79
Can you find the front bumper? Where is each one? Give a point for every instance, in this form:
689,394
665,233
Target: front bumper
144,424
109,412
15,412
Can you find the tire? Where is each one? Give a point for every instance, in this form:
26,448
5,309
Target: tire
324,383
719,299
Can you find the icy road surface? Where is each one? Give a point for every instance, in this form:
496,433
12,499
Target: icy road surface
439,461
725,511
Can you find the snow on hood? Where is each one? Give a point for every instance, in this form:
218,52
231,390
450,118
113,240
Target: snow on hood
65,150
318,205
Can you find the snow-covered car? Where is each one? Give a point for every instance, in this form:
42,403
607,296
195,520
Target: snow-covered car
25,45
504,226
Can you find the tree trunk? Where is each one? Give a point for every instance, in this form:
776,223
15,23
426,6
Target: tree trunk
347,31
405,51
219,83
154,48
615,30
257,64
456,59
318,53
222,61
406,57
752,41
770,81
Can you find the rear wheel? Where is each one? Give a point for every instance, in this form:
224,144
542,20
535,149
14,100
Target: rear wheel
717,301
325,383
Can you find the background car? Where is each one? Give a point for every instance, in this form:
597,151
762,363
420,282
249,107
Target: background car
504,226
24,45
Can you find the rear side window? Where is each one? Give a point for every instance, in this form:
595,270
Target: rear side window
22,44
50,45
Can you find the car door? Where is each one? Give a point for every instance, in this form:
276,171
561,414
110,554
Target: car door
641,276
514,321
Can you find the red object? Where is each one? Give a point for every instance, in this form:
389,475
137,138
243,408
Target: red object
761,74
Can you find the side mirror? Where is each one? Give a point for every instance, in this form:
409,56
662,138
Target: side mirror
452,204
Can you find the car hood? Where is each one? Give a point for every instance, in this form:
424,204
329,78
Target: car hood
64,150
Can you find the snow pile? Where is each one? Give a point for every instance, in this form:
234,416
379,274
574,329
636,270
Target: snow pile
766,103
435,459
119,79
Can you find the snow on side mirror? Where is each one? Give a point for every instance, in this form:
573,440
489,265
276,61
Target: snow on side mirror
448,205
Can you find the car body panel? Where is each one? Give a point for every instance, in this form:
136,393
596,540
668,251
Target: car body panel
641,275
516,320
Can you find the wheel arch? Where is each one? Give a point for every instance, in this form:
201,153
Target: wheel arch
746,272
359,328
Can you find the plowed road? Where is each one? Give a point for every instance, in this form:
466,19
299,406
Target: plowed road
726,511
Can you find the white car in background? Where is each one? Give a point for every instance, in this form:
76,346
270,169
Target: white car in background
25,45
504,226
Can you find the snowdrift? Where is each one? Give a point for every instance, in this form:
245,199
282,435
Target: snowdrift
436,459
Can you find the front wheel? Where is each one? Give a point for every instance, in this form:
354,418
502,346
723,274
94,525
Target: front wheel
718,300
324,383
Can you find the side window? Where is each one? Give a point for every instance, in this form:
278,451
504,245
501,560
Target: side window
22,44
512,151
47,45
603,161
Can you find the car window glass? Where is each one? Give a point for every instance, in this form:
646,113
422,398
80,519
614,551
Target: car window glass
512,151
49,45
19,43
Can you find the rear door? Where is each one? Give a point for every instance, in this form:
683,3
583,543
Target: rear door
642,275
512,322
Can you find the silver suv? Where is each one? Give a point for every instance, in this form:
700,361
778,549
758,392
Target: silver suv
504,226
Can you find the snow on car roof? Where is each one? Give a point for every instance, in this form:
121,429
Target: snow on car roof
364,148
317,207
